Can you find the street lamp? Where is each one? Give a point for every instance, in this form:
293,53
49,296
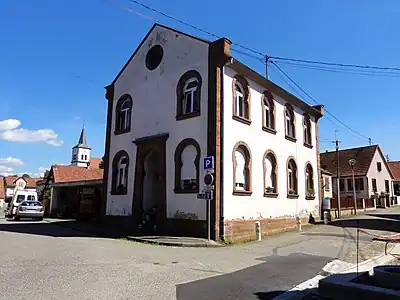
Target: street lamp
352,162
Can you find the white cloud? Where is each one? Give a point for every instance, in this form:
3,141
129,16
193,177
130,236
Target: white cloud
41,171
11,161
5,171
9,131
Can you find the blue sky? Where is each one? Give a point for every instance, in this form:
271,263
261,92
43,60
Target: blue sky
57,56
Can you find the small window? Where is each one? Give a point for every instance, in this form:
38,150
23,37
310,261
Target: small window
310,193
327,184
123,113
270,174
82,156
85,157
387,186
268,112
154,57
188,95
292,178
374,186
349,184
241,100
290,129
379,166
31,198
120,173
74,157
359,182
21,184
307,130
187,159
20,198
241,169
341,185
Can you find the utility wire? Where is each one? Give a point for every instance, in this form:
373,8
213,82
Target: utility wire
264,56
309,96
190,25
335,64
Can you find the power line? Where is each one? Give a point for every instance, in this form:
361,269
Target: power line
342,70
265,56
148,7
335,64
308,95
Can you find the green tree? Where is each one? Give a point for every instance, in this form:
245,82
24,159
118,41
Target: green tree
26,176
101,165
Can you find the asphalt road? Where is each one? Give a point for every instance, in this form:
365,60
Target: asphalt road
39,260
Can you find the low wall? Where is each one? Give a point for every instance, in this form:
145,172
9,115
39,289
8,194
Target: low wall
245,230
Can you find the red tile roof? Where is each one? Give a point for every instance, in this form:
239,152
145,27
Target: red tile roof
95,162
394,167
1,187
30,182
63,174
363,155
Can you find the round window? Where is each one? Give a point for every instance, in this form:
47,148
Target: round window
154,57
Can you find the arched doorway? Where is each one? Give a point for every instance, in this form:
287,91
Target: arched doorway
149,199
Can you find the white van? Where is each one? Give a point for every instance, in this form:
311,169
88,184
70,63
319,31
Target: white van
19,197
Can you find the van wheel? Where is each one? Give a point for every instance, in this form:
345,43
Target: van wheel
16,218
40,219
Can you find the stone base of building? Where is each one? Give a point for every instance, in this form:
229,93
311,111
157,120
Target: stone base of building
237,231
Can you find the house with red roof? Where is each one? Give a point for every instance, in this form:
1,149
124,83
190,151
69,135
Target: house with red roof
76,188
14,183
372,176
1,192
394,167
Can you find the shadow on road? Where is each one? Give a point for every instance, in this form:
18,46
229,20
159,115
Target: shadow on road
262,281
59,229
381,223
386,216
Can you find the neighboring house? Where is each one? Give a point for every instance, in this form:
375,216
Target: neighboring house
371,171
76,189
14,183
2,196
394,167
180,98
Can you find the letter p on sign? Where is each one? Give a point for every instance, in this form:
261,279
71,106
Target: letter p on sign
208,163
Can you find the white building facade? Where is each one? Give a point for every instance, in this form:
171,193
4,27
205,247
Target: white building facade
180,99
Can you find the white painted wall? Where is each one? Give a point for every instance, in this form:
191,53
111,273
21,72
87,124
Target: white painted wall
256,205
154,111
379,176
80,157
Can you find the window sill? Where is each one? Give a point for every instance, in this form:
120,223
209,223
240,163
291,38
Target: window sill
290,138
180,191
308,145
242,193
187,116
271,195
241,120
310,197
270,130
118,132
292,196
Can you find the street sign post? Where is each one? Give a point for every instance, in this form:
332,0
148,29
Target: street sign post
208,179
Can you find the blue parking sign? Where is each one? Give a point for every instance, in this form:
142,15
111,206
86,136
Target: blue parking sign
208,162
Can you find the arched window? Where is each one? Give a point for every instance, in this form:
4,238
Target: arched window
290,129
120,167
123,113
310,193
241,169
241,100
292,178
268,112
270,173
187,158
188,95
307,130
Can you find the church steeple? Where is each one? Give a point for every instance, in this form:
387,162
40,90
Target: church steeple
81,151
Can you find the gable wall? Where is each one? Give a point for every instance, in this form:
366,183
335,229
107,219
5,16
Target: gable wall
154,110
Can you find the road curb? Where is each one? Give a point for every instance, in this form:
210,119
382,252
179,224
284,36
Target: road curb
174,244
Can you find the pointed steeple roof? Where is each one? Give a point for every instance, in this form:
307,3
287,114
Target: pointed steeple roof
82,140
